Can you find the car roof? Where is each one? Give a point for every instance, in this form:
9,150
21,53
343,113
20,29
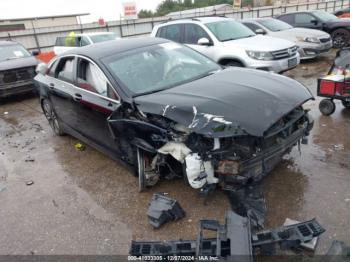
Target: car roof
297,12
103,49
257,19
5,43
204,20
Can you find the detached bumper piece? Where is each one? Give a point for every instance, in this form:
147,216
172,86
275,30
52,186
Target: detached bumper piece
234,240
288,237
163,209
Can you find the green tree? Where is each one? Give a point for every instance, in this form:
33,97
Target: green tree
168,6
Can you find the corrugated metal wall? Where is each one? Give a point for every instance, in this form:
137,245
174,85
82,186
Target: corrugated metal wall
44,38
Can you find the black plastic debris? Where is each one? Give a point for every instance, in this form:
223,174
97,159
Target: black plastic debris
288,237
249,201
233,242
163,209
338,252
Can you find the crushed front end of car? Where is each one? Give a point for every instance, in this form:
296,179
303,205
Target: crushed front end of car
219,130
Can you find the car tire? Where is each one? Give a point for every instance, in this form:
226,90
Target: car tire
233,63
51,116
346,104
327,107
340,37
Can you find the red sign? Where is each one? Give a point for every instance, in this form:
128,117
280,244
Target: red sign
130,10
101,22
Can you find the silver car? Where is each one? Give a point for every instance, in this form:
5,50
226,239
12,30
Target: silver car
311,42
230,43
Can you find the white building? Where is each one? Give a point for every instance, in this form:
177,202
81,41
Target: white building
13,24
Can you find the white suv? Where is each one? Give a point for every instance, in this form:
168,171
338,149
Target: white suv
230,43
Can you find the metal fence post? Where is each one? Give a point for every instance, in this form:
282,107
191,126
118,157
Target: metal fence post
36,37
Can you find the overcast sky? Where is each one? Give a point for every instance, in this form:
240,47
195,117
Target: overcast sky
107,9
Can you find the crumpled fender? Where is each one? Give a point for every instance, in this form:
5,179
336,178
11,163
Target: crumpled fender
144,135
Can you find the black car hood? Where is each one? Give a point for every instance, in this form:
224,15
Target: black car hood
18,63
231,102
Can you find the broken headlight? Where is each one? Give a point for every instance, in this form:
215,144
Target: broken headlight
260,55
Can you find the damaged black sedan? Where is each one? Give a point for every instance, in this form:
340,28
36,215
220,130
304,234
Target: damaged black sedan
170,112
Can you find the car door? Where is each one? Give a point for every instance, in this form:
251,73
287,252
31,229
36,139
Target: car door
194,32
307,20
60,82
97,100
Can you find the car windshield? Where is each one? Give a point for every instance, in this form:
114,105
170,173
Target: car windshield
9,52
103,37
159,67
324,16
229,30
275,25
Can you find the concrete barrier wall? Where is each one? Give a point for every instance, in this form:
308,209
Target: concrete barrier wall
43,39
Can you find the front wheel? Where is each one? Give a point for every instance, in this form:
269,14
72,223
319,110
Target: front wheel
52,117
346,104
327,107
340,38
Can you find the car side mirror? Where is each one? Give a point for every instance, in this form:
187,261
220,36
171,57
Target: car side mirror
314,21
260,31
204,41
41,68
35,52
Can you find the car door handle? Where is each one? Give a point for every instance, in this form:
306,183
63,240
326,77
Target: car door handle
77,97
51,85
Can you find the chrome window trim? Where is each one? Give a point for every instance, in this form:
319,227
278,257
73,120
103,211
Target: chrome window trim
100,70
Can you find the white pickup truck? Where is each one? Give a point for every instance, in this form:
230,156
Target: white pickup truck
65,43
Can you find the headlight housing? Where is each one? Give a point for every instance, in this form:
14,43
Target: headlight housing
260,55
314,40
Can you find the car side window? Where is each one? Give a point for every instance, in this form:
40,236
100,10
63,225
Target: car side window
252,26
193,33
171,32
302,19
84,41
289,19
65,69
90,77
52,68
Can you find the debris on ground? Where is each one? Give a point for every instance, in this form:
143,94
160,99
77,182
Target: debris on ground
338,252
249,201
29,183
233,239
163,209
29,159
79,147
311,245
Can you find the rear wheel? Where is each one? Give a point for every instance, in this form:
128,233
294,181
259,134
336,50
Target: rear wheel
52,117
346,104
327,107
340,37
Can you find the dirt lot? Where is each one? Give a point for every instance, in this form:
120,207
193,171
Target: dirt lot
85,203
